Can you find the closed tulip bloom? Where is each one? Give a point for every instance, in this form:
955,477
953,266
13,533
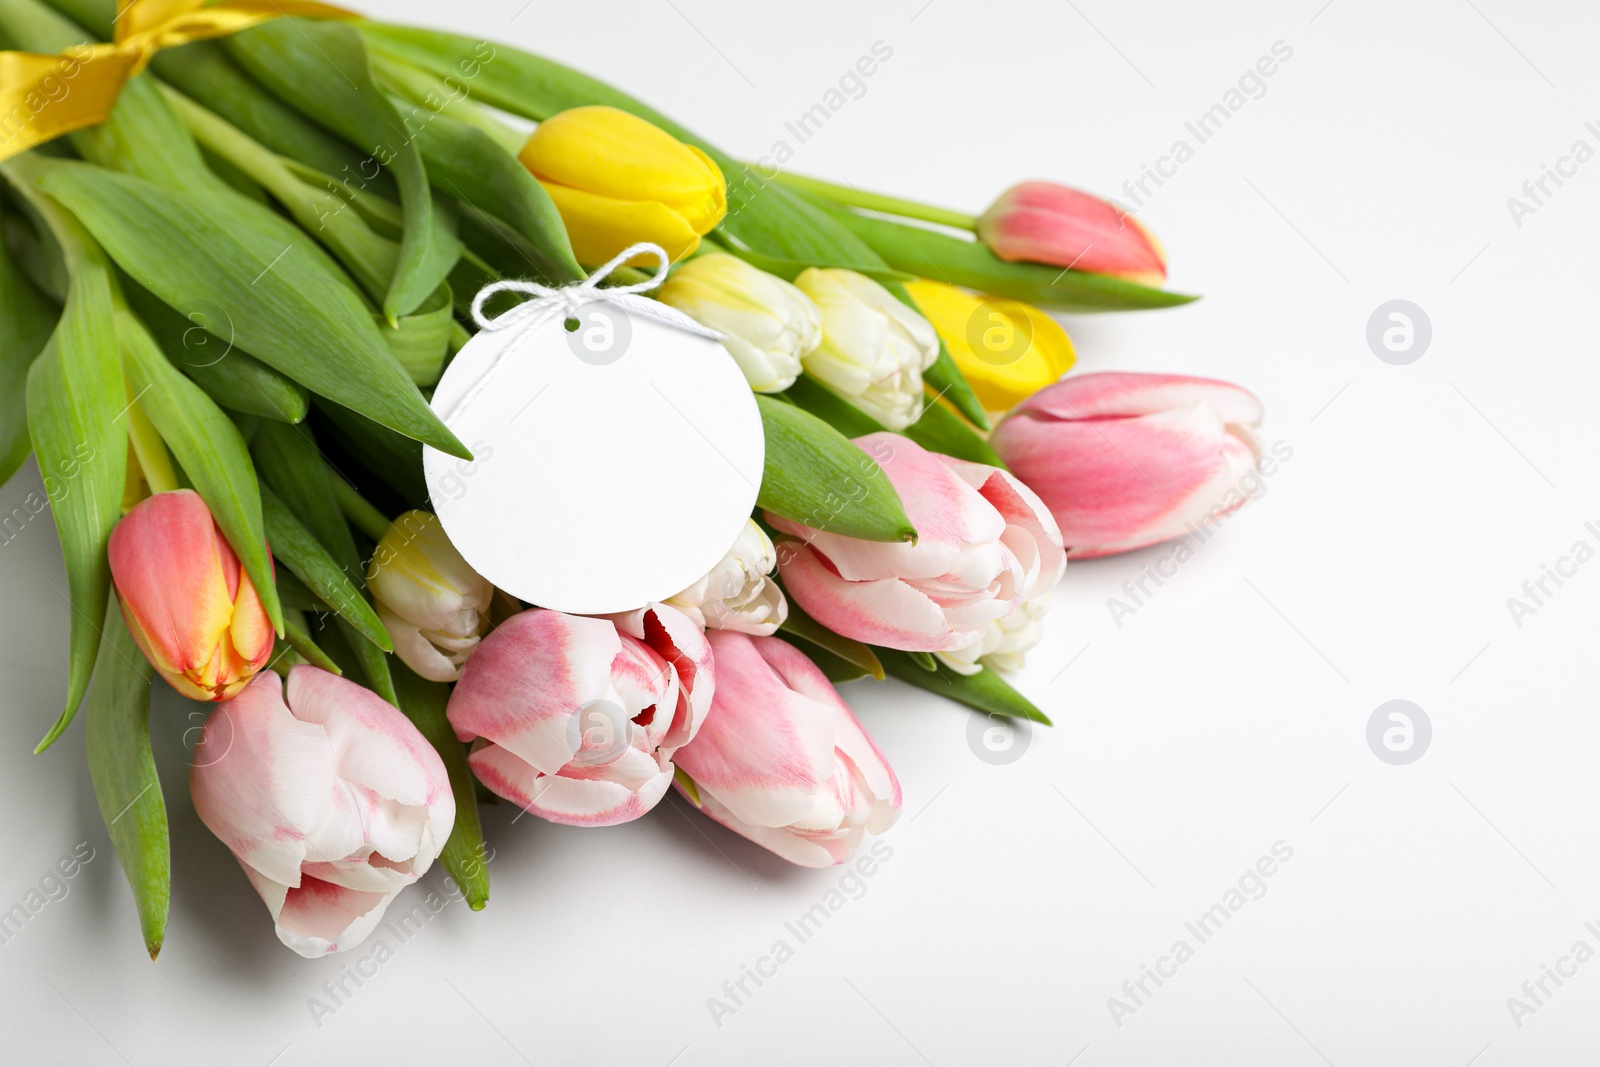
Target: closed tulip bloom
739,593
328,796
618,180
1043,222
767,324
1128,460
187,601
987,544
434,605
782,759
874,348
576,720
1007,350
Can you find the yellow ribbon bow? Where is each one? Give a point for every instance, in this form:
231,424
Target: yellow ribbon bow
43,97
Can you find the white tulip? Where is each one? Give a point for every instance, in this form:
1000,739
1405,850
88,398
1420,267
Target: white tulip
767,324
874,347
434,605
738,594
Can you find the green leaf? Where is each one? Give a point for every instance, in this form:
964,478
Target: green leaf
789,269
210,449
986,690
123,769
27,318
464,855
836,669
941,430
76,406
320,69
800,625
289,309
827,405
300,551
199,347
464,162
299,640
959,262
372,660
946,378
421,339
395,460
814,475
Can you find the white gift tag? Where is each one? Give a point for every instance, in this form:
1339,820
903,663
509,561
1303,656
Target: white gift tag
613,465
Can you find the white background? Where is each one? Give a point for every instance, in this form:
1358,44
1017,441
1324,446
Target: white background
1228,713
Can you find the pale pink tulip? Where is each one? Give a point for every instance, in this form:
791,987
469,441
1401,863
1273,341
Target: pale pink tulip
187,601
782,759
576,719
1128,460
985,545
1043,222
331,800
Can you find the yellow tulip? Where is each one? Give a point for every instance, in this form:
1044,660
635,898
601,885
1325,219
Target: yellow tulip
1007,350
618,180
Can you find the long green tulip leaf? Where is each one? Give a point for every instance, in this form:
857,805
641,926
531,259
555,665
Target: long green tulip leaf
321,70
815,476
298,549
77,407
200,347
209,448
961,262
123,769
941,430
986,690
289,309
464,855
27,318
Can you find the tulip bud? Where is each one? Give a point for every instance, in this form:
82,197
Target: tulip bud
618,180
1128,460
187,601
1048,223
783,760
434,605
329,798
874,348
576,719
1007,350
767,324
738,594
987,545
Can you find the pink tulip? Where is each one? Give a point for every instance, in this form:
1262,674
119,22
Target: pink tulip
577,719
331,801
1043,222
986,545
781,758
1129,460
187,601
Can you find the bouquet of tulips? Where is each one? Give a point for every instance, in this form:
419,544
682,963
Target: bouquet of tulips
241,243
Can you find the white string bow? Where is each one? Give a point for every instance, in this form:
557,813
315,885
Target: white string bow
564,301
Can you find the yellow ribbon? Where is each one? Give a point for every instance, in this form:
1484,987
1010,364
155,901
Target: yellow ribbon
43,97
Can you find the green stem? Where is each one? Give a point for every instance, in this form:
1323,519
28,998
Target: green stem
154,462
851,196
357,509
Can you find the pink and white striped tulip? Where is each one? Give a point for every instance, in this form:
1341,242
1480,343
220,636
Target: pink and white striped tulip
186,599
576,719
986,544
782,759
1042,222
331,800
1128,460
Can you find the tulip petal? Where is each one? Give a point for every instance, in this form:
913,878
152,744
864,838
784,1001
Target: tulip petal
262,780
563,799
528,678
885,612
320,918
